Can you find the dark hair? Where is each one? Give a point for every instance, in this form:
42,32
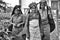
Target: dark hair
17,6
44,4
33,4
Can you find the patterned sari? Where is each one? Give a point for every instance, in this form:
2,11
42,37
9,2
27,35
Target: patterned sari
34,28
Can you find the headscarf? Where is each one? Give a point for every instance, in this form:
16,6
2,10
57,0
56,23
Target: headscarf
33,5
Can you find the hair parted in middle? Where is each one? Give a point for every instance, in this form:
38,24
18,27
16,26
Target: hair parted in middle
17,6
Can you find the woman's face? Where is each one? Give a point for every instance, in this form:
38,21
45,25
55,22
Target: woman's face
42,5
33,9
17,11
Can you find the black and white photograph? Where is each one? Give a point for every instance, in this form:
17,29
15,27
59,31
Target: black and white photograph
29,19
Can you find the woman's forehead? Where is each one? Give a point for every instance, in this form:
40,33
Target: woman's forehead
17,8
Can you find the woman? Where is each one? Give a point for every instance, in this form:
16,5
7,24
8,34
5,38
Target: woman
18,21
34,22
48,24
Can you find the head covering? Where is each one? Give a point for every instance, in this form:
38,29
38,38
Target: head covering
43,3
17,6
33,5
